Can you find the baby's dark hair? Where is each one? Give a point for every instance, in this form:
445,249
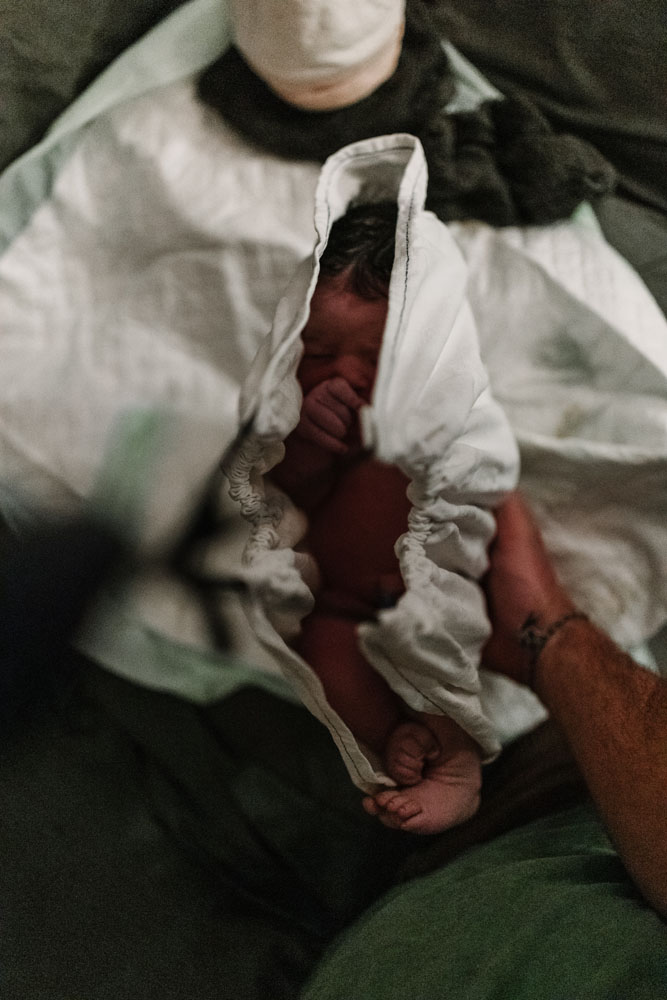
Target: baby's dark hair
361,247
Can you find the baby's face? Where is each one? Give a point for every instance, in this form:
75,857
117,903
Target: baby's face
342,337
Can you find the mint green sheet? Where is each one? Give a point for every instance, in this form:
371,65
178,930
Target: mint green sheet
183,43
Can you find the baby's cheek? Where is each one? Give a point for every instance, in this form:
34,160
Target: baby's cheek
357,372
310,373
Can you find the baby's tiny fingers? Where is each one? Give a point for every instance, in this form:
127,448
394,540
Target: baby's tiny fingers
341,389
313,432
320,416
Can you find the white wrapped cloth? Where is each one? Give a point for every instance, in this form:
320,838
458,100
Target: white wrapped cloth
432,415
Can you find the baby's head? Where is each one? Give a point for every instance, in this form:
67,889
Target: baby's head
349,305
360,249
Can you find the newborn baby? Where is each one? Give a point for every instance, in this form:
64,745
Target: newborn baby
371,457
357,509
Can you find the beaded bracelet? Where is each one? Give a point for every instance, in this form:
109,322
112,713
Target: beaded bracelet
534,639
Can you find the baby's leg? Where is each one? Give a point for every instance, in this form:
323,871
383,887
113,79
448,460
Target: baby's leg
438,766
364,701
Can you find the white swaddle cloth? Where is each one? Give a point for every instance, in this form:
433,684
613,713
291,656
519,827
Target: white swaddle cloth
432,415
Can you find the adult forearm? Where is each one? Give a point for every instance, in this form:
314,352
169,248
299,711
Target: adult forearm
614,715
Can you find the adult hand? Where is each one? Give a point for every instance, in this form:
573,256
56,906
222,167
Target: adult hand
327,414
612,712
520,581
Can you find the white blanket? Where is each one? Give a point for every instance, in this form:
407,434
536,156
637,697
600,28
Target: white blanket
146,281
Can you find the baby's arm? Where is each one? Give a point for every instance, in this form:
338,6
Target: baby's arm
328,412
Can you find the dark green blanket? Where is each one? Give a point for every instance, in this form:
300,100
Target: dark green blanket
156,850
544,912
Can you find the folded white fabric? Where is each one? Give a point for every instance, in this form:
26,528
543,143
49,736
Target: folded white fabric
432,415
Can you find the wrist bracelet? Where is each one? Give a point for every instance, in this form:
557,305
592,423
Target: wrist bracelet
533,638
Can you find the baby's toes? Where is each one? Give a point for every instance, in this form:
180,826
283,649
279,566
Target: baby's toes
426,744
417,739
398,804
370,805
412,747
405,768
373,809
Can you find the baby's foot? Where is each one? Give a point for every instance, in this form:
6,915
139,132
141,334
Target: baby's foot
410,747
447,795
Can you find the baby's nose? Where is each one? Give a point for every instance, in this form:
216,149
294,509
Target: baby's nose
356,371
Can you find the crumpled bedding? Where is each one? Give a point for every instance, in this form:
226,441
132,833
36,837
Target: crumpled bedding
146,280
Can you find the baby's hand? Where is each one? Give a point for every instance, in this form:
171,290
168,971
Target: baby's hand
327,414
